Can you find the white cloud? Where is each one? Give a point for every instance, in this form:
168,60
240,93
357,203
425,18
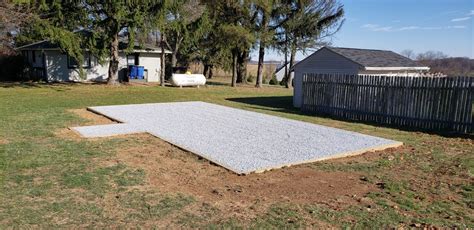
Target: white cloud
409,28
379,28
471,13
375,27
460,19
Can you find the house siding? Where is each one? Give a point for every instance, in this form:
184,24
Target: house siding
324,62
152,66
57,68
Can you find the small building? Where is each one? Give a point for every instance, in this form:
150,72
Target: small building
332,60
48,62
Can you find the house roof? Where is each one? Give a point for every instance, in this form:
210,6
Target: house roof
47,45
282,66
372,59
375,58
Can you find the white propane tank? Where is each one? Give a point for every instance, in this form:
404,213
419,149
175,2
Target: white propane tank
188,79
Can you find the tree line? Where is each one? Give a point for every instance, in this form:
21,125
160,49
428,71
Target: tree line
440,62
217,33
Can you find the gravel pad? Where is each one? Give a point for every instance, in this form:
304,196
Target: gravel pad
239,140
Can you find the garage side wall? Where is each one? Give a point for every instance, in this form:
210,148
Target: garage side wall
151,62
323,61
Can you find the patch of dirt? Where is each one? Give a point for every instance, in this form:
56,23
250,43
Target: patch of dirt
93,118
170,169
3,141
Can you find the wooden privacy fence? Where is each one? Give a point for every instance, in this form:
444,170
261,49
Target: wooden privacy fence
432,103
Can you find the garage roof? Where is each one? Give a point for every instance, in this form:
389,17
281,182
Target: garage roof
375,58
371,59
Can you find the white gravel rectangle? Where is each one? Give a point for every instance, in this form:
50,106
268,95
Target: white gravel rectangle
239,140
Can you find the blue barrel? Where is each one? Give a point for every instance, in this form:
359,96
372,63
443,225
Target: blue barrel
140,72
133,71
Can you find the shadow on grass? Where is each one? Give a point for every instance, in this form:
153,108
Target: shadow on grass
279,103
210,82
35,85
285,104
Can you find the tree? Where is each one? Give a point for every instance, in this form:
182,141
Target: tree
266,10
103,22
408,53
233,22
306,24
109,18
430,55
13,17
181,25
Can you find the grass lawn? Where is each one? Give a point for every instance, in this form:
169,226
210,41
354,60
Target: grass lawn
50,177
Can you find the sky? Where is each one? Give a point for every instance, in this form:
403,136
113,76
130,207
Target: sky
418,25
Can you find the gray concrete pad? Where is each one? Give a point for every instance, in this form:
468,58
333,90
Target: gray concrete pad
239,140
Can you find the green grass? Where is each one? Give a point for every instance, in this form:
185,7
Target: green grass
51,181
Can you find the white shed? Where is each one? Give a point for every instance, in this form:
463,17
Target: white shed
51,64
353,61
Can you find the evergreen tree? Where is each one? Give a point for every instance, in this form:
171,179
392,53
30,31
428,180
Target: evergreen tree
306,24
102,22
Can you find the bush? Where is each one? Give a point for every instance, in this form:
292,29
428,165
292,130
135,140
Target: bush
250,78
274,80
13,68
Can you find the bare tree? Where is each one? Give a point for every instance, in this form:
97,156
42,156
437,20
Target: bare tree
12,17
408,53
430,55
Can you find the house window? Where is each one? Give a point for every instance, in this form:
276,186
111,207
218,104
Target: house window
72,62
33,53
133,59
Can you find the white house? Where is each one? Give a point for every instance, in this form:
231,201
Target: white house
51,64
352,61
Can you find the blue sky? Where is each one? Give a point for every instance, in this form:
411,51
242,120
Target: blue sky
419,25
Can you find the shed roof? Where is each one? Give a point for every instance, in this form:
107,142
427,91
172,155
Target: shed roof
48,45
371,59
375,58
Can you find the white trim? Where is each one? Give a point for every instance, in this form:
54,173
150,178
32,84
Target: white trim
158,51
396,68
31,44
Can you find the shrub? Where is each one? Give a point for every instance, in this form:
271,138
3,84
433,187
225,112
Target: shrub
13,68
250,78
274,80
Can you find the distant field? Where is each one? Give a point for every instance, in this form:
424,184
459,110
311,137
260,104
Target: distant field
268,71
52,178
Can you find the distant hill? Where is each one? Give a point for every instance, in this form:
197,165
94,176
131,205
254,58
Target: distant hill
454,66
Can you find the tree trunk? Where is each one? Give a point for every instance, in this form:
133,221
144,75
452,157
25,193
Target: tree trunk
114,61
210,71
206,69
234,69
242,67
285,77
261,54
174,59
289,83
163,63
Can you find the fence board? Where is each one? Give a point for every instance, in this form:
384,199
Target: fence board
433,103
